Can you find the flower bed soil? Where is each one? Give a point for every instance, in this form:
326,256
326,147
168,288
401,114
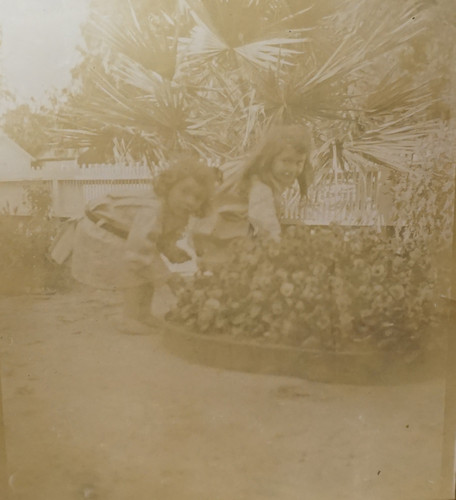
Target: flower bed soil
366,368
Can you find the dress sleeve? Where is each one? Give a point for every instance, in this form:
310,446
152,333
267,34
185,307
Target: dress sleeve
143,259
262,211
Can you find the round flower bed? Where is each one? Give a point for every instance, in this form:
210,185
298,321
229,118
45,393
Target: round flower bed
351,294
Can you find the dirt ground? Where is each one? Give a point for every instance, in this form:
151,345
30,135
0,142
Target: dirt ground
93,413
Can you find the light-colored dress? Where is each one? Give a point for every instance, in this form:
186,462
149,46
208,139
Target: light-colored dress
258,213
117,244
263,210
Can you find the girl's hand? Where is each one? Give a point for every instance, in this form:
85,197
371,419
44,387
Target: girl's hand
177,255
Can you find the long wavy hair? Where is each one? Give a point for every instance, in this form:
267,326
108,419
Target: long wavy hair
274,142
183,168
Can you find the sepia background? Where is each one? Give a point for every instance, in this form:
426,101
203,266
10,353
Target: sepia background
97,96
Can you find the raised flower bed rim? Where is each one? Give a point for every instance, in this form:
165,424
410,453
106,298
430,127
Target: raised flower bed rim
367,368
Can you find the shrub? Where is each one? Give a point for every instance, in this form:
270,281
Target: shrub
423,206
24,245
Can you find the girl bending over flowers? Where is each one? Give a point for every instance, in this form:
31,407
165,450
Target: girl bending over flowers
281,161
253,204
121,241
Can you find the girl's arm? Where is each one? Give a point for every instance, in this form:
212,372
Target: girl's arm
262,211
142,255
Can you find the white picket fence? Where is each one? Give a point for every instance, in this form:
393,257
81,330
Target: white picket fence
353,200
72,186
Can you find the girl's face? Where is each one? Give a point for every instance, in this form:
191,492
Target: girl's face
185,198
287,165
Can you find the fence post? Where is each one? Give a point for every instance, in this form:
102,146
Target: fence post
55,197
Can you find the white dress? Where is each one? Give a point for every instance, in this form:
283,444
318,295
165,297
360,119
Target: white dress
263,210
116,245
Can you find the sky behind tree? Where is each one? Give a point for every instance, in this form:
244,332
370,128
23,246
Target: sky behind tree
39,40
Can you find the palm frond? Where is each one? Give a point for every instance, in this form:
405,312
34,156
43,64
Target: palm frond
269,53
129,72
399,95
239,22
150,41
392,145
241,29
364,40
164,121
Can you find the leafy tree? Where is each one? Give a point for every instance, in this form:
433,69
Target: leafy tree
31,129
5,95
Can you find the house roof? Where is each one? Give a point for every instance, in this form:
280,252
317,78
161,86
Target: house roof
55,155
15,162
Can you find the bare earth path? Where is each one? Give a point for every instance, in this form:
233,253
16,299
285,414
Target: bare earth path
92,413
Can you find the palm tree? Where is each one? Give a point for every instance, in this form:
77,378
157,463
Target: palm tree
210,75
